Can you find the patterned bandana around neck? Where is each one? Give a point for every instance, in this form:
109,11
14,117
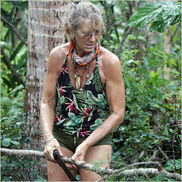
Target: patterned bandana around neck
82,60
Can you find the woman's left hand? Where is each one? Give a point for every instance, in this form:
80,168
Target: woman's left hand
80,153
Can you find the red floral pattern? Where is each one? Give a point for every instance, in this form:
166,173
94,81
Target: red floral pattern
71,107
61,90
64,69
80,112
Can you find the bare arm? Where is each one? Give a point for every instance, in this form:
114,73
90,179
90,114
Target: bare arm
55,62
116,98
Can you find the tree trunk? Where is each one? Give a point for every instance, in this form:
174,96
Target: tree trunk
44,33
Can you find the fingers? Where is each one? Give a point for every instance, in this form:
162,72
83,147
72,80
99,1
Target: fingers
49,155
49,149
60,152
78,157
71,167
80,153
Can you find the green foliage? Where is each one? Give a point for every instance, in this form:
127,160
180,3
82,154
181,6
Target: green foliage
172,165
14,12
152,116
153,95
12,124
152,111
160,15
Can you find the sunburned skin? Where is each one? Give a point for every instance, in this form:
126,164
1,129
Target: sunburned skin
103,57
80,70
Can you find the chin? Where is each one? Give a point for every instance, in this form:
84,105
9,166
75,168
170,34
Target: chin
89,50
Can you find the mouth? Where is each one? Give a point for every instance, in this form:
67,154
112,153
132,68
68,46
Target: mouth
90,46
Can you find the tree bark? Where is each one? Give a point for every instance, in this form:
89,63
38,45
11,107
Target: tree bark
44,33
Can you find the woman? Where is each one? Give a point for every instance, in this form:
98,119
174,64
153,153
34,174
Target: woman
83,96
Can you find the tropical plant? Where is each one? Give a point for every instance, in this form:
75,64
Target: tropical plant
151,128
160,15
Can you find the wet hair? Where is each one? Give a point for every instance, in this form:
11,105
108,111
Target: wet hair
77,13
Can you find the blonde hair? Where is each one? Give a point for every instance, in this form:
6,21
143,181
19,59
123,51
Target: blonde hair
76,14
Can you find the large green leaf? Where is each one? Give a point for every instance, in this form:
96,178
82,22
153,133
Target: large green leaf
96,80
100,102
7,6
160,15
74,120
6,142
98,122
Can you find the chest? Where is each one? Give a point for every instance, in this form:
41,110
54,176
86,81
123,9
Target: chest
83,73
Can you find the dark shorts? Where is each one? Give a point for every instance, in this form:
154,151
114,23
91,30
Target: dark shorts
71,142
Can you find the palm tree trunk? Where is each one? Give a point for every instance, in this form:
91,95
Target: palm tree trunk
44,33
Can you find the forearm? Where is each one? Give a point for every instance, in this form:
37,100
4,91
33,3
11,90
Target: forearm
104,129
47,119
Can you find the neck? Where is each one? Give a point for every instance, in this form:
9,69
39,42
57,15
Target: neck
80,52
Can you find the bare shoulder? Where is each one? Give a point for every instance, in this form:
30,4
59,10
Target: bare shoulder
110,61
108,58
57,57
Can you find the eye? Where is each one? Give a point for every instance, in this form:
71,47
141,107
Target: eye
97,32
86,34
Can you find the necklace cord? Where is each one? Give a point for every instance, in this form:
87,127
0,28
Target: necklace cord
81,62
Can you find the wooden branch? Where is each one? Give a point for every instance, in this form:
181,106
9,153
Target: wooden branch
172,175
150,171
10,66
14,29
172,36
130,5
153,163
127,31
98,170
12,152
108,20
79,164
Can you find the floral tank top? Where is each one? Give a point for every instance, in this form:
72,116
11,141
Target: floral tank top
78,113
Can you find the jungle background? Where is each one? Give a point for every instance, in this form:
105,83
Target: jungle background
148,45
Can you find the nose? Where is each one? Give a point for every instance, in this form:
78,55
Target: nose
92,38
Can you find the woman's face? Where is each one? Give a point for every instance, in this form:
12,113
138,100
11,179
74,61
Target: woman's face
86,37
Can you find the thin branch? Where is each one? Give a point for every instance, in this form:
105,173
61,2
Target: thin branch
157,164
20,45
98,170
130,5
14,29
167,158
149,171
153,163
174,136
127,31
177,28
140,171
133,172
108,20
8,63
172,175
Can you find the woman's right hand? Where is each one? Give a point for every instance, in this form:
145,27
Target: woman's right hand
50,146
